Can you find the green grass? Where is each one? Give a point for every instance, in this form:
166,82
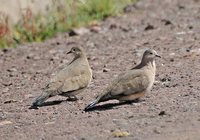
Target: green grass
72,14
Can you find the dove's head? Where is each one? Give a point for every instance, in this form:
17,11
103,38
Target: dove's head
76,51
149,55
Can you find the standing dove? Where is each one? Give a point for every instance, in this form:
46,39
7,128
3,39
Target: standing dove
71,80
132,84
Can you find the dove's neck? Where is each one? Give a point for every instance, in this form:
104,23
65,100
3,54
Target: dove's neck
78,58
150,66
147,66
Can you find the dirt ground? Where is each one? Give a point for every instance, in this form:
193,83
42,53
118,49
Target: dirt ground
170,112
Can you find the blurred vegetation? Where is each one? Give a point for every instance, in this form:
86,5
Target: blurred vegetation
74,13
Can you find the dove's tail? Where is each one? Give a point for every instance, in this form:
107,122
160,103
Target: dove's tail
40,100
99,99
91,105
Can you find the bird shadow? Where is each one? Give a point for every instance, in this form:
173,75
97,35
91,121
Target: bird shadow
51,103
48,103
109,106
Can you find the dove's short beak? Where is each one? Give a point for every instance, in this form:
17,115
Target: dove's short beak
158,56
69,52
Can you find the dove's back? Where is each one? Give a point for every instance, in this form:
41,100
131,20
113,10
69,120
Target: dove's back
74,76
127,83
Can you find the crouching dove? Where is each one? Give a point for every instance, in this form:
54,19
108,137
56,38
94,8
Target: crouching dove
132,84
71,80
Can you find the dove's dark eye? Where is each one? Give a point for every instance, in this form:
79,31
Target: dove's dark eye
151,53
